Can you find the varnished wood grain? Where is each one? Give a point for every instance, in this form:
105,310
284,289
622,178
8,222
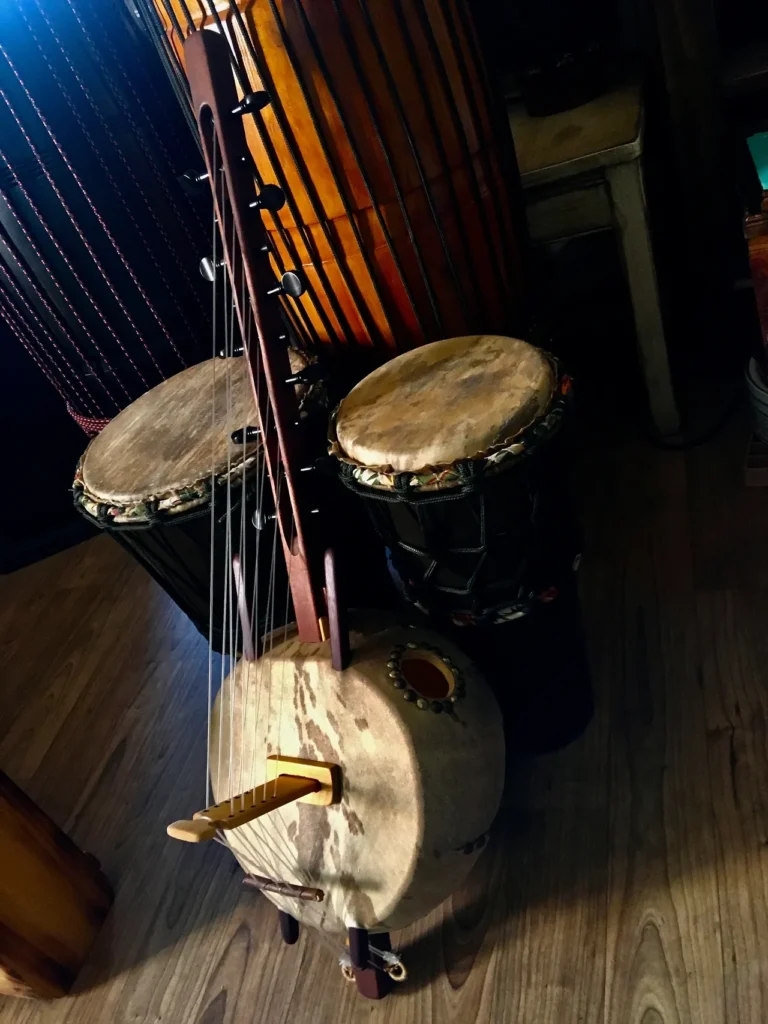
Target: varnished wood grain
627,882
381,133
53,900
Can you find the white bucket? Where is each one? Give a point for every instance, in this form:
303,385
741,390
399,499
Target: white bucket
758,399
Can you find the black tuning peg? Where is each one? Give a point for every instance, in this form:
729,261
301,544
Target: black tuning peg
245,435
208,268
193,182
291,283
308,375
239,350
251,102
270,197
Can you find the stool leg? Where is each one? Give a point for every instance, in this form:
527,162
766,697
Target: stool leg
372,982
628,195
289,927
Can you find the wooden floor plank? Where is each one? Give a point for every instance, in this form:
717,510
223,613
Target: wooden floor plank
732,610
627,882
663,966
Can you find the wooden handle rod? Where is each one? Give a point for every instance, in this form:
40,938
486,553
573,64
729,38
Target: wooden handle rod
299,892
288,779
245,807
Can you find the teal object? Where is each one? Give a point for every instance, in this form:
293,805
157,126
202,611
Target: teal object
758,148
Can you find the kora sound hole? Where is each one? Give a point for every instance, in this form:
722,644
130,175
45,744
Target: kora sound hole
427,675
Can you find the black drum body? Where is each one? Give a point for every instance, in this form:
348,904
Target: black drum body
538,668
181,552
495,567
177,554
484,552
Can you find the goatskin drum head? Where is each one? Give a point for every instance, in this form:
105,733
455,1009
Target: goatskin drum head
173,437
444,402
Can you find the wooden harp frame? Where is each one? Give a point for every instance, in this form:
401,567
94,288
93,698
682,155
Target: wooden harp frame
214,99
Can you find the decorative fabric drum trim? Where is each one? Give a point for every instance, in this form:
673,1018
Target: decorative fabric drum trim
140,506
464,471
170,504
504,613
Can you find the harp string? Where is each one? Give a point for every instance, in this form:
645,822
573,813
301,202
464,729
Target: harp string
218,177
285,660
244,544
234,617
268,661
256,603
238,682
212,565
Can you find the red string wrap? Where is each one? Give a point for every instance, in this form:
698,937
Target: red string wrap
92,425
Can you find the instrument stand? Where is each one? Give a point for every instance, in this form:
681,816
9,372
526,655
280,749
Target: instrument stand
372,982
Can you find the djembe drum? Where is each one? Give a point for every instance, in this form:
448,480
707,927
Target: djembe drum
457,449
148,480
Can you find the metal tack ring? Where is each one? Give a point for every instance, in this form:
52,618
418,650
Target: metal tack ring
395,674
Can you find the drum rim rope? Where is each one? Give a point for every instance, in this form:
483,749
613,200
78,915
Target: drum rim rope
169,505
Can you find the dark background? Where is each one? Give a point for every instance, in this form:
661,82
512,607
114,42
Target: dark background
705,90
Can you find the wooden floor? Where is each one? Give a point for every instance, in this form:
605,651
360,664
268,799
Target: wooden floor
628,883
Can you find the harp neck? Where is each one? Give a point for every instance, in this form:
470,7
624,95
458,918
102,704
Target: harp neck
246,253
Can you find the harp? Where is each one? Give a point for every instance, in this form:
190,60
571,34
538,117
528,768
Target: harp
343,756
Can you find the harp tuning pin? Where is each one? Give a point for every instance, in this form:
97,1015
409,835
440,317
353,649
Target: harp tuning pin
237,350
193,182
251,102
260,520
308,375
270,197
291,283
208,268
245,435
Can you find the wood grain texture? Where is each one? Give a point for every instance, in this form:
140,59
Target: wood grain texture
381,133
53,900
627,883
605,131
